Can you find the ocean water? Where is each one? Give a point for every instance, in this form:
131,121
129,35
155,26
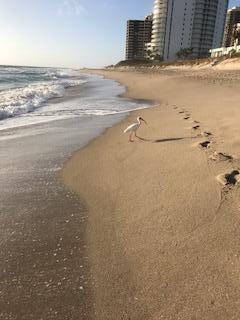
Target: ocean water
31,95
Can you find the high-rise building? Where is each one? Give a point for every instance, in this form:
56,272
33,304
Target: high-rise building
233,18
208,25
138,35
185,24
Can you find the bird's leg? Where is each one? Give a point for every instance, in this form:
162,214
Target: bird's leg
130,137
135,133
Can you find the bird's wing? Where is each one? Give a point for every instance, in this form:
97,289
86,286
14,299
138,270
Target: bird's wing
130,128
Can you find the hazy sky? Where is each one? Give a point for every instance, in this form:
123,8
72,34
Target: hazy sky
69,33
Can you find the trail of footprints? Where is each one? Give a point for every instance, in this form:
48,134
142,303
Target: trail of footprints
230,178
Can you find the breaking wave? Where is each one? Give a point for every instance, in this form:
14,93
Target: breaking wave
28,92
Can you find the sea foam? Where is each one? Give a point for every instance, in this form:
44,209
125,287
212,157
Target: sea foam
15,102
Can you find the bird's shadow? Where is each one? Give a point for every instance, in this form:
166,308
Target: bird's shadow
163,139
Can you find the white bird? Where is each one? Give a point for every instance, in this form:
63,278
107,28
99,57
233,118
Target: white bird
133,128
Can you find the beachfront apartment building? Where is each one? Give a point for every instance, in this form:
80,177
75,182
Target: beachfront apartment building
138,35
182,24
232,20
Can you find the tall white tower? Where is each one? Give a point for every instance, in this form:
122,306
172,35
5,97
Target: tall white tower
208,26
183,24
160,17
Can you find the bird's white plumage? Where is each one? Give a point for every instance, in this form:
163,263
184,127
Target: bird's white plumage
133,127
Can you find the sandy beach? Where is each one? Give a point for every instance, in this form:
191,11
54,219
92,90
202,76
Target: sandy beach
163,212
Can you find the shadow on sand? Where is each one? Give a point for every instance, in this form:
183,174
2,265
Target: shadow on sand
163,140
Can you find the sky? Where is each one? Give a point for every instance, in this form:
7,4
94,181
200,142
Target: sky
233,3
67,33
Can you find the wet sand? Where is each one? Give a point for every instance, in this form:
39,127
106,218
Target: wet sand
163,232
44,271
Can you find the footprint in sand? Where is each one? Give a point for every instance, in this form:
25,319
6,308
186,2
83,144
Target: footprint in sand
220,156
204,144
181,112
196,127
207,134
229,178
196,130
186,118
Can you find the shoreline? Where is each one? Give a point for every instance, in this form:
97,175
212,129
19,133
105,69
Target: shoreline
45,269
161,233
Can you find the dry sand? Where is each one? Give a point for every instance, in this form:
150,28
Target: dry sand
163,230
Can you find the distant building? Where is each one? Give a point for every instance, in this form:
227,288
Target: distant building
224,51
138,35
233,48
185,24
233,17
235,40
